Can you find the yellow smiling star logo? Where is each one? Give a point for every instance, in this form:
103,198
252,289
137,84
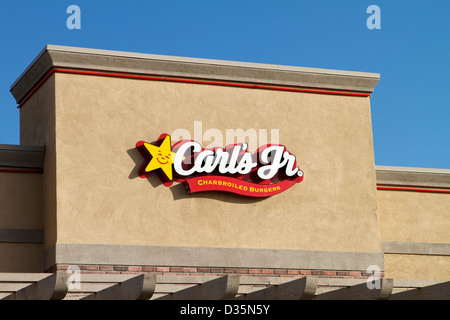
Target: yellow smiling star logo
162,157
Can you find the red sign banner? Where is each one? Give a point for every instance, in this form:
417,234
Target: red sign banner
231,169
233,185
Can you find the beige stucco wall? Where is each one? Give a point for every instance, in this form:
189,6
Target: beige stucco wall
20,209
100,199
417,267
415,217
20,199
37,128
21,257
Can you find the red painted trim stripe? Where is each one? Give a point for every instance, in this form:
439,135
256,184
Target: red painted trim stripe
220,83
413,189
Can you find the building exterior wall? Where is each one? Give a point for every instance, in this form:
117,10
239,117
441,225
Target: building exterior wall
99,119
20,222
37,128
417,266
94,210
414,216
20,198
415,228
21,257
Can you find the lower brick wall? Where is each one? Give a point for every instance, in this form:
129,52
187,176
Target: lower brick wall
216,271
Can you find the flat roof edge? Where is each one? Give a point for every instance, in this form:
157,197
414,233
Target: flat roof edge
53,56
412,169
19,156
147,56
412,177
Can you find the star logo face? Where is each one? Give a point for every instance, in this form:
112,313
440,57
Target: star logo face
161,156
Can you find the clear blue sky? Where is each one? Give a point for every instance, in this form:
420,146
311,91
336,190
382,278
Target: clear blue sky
410,106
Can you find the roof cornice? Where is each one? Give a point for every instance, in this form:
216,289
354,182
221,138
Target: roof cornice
52,57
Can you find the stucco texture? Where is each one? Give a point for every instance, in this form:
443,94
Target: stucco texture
100,198
20,200
418,267
37,128
414,216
